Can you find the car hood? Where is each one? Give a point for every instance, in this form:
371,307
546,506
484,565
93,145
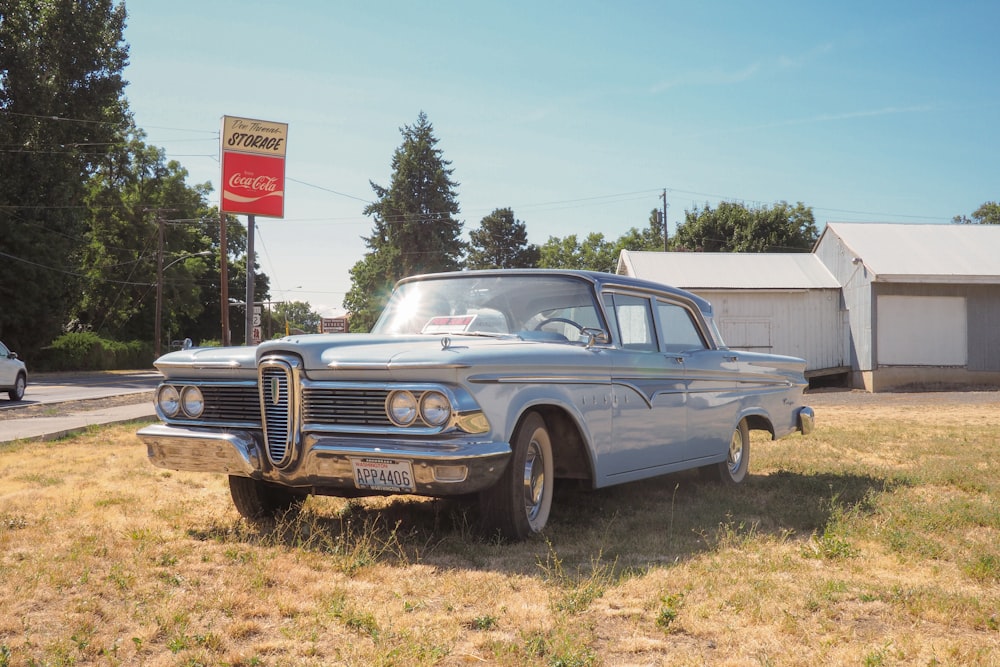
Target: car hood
385,352
372,352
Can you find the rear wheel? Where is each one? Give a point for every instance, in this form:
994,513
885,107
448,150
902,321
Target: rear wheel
518,505
734,469
17,393
257,500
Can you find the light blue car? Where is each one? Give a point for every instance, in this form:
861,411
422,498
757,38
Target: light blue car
494,383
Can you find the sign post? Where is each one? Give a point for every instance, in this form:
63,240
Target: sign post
253,183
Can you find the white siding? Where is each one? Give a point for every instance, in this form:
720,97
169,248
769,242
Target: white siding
806,324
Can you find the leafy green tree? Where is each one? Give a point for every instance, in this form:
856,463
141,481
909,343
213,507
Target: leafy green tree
594,253
733,227
298,315
415,229
61,108
501,242
650,238
129,197
987,214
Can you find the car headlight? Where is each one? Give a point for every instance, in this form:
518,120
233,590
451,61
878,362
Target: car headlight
401,407
169,400
192,402
435,408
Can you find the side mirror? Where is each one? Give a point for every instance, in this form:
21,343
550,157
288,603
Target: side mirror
12,355
596,336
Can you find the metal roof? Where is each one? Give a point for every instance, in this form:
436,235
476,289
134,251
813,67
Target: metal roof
922,253
729,270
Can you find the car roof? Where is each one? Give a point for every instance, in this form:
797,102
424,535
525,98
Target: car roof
599,279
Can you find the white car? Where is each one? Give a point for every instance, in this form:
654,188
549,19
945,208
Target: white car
13,374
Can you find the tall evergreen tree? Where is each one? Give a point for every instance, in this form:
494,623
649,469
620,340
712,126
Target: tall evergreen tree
501,242
61,108
415,229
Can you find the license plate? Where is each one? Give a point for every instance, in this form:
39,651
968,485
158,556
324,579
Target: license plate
383,474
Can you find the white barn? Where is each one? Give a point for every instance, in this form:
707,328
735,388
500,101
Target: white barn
782,303
889,305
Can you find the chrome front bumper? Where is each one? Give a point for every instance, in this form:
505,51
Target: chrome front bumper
439,468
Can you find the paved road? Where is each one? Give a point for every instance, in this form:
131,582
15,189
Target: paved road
20,422
63,387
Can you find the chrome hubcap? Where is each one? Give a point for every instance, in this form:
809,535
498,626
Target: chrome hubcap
735,451
534,480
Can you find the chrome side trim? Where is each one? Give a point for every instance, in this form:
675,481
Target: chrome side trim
199,364
540,379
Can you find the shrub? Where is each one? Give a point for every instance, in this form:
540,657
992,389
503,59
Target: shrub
86,351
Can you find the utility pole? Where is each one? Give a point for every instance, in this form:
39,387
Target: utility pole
665,246
251,223
157,350
224,278
158,317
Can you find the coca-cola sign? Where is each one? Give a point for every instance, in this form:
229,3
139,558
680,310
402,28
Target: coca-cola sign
253,166
253,184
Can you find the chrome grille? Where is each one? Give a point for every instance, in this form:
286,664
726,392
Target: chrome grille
345,407
231,404
276,401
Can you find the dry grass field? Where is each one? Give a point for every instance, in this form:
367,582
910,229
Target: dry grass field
874,541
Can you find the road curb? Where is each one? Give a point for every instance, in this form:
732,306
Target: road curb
40,429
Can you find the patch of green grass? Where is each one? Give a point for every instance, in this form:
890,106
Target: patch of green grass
574,593
984,568
670,609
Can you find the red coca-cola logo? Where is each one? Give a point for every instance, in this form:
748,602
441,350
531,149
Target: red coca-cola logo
253,183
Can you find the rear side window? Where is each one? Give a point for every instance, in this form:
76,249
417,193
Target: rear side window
679,331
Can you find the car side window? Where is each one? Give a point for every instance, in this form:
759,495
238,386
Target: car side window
679,331
634,319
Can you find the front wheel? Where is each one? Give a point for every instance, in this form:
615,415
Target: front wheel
17,393
734,469
256,500
518,504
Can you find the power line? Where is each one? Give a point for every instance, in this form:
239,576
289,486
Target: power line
69,273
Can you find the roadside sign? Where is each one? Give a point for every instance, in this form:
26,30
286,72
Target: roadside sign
334,325
253,166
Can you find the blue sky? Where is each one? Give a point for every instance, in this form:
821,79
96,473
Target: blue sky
578,114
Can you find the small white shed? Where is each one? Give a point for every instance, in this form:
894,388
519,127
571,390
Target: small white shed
782,303
923,301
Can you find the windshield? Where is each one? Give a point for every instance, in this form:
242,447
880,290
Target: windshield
531,306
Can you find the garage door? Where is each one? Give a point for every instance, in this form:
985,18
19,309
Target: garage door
922,331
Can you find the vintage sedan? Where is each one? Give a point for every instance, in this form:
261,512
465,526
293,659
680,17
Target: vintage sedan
494,383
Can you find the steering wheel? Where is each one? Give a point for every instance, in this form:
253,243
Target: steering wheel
561,320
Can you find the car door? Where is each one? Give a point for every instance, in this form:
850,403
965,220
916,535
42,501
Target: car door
712,403
7,368
649,427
